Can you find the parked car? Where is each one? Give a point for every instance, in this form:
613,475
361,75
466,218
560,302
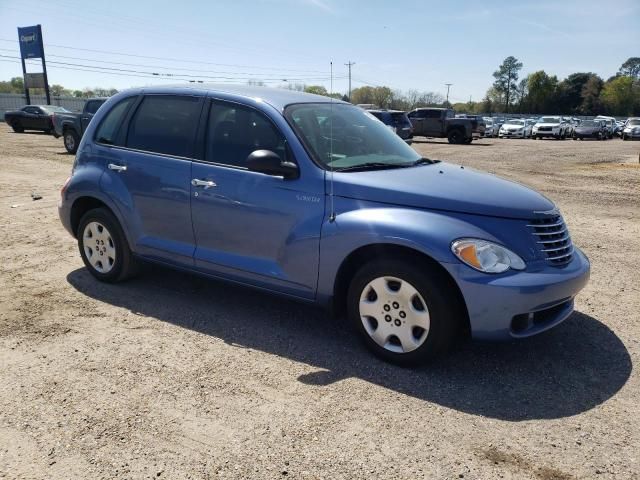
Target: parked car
33,117
515,128
550,127
414,250
631,130
441,123
490,129
619,127
590,129
71,126
397,121
610,124
569,122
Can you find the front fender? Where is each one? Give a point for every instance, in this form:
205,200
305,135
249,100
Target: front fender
359,224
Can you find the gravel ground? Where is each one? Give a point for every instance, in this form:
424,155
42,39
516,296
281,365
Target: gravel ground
172,376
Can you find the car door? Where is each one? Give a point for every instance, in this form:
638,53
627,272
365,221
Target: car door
30,118
433,123
251,227
88,113
417,118
148,174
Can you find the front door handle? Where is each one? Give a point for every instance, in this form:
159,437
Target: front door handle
117,168
196,182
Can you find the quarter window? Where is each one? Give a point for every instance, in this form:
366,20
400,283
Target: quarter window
165,124
110,125
235,131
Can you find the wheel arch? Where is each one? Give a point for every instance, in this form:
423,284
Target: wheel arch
81,206
359,257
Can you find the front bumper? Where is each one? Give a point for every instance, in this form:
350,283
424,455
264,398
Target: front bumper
520,304
512,134
547,133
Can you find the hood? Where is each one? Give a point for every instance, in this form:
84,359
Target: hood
443,186
547,124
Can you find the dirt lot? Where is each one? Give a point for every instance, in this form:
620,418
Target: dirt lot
171,376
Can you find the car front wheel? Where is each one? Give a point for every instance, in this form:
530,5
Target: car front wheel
404,314
103,247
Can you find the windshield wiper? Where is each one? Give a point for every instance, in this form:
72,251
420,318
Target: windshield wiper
424,161
372,166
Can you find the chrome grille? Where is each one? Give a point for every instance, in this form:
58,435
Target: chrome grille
553,239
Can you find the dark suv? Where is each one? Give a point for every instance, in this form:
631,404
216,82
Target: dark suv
396,120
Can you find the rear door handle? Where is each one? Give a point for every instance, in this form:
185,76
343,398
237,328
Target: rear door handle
196,182
117,168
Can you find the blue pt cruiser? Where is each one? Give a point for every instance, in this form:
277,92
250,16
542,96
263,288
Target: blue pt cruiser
318,200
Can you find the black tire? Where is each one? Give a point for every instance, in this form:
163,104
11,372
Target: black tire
444,309
624,137
71,140
468,141
455,136
17,128
124,265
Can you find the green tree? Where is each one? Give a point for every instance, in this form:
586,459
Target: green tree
631,68
542,92
316,89
621,96
506,77
591,103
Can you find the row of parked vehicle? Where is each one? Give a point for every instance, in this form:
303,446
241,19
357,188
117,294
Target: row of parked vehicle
462,128
600,128
426,122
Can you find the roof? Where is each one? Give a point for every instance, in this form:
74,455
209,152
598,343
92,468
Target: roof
276,97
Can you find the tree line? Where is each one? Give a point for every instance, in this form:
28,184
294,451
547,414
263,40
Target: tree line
16,85
581,93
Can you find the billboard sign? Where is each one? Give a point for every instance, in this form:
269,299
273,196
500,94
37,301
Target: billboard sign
34,80
30,42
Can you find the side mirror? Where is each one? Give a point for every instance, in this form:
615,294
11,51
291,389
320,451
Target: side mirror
269,163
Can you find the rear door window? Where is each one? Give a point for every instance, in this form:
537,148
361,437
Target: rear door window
110,125
165,124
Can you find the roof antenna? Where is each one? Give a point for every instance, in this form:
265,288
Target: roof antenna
332,214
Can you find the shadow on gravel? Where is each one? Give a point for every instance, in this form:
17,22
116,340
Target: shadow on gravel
568,370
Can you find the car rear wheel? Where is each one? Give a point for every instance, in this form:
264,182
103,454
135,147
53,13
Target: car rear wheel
403,314
17,127
103,247
71,141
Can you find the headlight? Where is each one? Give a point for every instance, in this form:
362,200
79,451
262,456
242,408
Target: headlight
485,256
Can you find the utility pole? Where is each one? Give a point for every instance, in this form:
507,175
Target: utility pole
448,87
350,64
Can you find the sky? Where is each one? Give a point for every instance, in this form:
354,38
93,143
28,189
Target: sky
413,44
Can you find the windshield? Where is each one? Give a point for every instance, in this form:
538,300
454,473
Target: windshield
549,120
54,108
515,122
635,121
344,136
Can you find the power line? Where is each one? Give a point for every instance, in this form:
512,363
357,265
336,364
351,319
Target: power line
162,67
172,75
180,60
